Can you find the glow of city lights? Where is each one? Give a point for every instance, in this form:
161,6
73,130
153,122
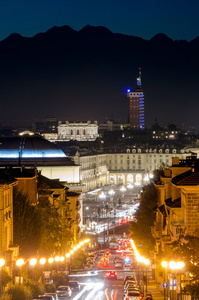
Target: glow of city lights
67,255
75,248
102,195
71,251
51,260
62,258
57,258
164,264
42,261
130,186
172,265
123,189
33,262
2,262
20,262
180,265
111,192
78,246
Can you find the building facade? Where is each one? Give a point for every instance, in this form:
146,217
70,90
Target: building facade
178,205
78,131
136,106
122,165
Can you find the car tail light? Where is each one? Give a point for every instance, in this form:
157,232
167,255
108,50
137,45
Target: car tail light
141,297
127,297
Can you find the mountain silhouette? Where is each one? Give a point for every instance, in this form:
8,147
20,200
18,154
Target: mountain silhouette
79,75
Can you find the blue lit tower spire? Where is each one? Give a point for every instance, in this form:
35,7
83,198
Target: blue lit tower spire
136,106
139,80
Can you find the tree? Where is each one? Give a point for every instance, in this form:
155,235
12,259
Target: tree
186,249
17,292
26,224
50,230
145,217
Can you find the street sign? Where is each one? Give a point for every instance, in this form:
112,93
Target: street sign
170,276
165,285
173,284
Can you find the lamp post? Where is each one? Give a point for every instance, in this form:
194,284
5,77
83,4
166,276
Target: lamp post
147,263
2,263
164,265
33,262
20,263
173,266
42,262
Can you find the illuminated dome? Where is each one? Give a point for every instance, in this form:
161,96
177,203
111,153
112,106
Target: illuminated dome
28,147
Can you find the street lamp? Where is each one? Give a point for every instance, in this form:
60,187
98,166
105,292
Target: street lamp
164,264
33,262
20,263
173,266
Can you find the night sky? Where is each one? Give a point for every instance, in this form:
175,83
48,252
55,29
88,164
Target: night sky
176,18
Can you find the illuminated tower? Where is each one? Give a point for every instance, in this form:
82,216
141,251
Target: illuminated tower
136,106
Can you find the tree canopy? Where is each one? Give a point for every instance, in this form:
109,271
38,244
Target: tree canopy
141,229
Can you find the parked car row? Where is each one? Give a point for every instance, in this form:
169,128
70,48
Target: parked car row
63,292
131,289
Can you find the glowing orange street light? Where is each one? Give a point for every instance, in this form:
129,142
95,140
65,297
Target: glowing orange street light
20,263
51,260
42,261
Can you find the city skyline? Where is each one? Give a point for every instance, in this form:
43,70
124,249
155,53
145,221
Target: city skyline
59,66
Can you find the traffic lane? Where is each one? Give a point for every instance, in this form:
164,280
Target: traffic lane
107,290
114,289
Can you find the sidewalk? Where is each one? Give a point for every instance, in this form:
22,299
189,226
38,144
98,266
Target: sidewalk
156,290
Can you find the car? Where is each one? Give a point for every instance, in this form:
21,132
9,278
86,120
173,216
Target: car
118,265
129,277
133,283
63,292
126,266
132,296
149,296
132,289
74,285
52,294
111,274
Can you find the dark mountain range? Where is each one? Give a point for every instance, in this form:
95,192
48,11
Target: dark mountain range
79,75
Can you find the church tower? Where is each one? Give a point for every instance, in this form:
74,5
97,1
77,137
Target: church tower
136,106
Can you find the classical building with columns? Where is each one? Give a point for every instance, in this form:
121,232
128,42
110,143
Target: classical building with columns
122,165
77,131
